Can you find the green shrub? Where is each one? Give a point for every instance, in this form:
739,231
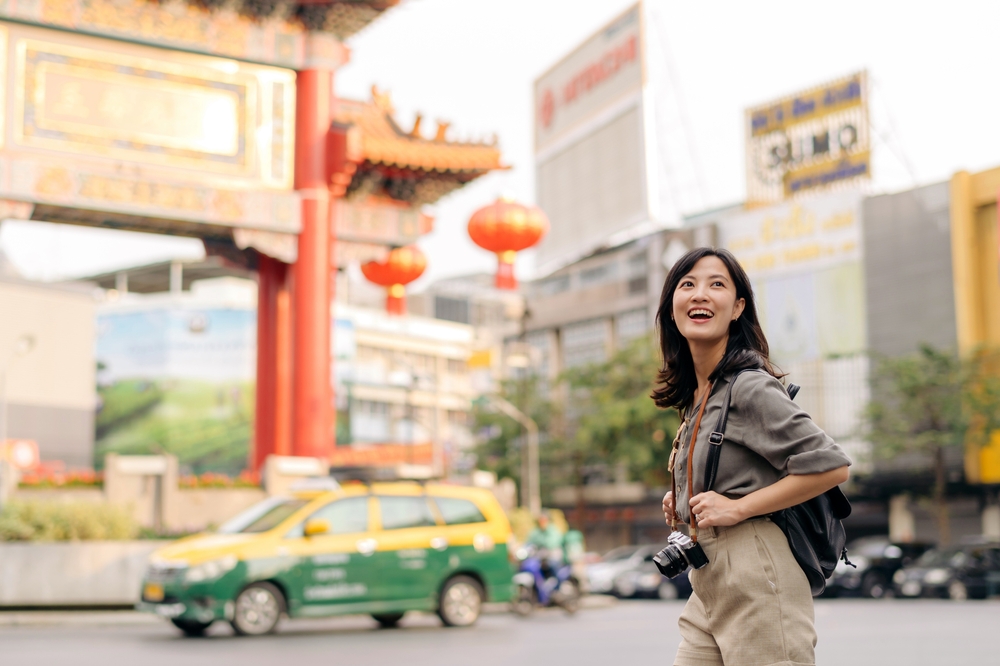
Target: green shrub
80,521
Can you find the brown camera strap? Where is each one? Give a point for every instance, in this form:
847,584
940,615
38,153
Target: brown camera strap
690,463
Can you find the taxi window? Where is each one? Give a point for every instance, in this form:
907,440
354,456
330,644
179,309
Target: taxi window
457,511
346,516
402,512
262,516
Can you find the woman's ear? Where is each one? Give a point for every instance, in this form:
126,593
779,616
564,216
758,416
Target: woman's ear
738,308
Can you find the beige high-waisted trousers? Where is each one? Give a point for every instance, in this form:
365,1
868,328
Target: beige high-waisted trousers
751,605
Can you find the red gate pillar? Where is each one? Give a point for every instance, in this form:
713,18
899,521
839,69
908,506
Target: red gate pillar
312,408
272,421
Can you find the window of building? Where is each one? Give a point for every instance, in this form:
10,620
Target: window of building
636,266
452,309
598,274
370,421
402,512
631,325
553,285
585,342
541,341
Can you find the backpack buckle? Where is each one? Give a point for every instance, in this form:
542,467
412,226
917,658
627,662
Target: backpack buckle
715,438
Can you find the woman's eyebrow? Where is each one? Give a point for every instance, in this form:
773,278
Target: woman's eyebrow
713,277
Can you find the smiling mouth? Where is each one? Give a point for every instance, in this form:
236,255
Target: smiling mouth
700,314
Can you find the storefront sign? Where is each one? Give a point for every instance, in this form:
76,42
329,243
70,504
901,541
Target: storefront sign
814,140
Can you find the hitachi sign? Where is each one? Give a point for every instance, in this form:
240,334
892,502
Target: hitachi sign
600,73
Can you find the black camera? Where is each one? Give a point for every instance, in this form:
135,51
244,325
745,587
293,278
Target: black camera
679,554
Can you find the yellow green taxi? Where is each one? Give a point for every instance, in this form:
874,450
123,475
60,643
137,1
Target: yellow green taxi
379,549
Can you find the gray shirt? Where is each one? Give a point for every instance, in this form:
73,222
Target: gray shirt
767,437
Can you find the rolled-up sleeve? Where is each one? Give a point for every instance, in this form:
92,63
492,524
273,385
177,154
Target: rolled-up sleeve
778,430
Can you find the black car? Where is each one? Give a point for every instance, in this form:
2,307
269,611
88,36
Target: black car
877,559
957,572
643,580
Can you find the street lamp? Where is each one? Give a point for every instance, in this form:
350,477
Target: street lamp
531,495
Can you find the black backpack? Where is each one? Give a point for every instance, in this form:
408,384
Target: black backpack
814,529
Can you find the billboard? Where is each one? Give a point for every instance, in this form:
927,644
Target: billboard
590,173
813,140
804,259
177,379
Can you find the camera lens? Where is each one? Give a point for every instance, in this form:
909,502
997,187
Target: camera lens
670,561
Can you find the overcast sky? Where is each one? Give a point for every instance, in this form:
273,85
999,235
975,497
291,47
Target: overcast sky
935,98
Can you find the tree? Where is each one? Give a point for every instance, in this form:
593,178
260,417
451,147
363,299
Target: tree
930,402
616,420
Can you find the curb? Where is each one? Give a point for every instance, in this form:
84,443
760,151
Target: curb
83,617
41,618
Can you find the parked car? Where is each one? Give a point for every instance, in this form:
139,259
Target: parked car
601,575
643,580
876,559
957,572
382,549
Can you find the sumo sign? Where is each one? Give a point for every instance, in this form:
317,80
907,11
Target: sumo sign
816,139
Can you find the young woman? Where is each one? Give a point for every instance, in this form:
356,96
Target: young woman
752,603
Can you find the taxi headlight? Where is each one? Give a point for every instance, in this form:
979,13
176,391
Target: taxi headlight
899,577
212,569
936,576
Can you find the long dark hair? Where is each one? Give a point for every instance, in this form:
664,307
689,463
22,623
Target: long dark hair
747,347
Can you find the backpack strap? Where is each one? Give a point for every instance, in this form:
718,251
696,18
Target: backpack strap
719,434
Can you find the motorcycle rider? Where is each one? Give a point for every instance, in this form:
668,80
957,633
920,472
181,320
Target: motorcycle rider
549,541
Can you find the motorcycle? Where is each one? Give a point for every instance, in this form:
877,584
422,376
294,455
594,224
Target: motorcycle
538,584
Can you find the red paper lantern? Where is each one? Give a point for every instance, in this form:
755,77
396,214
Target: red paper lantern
401,267
506,227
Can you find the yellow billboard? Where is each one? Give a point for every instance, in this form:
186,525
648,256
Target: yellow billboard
817,139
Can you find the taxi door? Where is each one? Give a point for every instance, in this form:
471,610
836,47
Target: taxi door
336,567
472,542
409,545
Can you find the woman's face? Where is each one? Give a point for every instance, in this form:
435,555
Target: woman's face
705,302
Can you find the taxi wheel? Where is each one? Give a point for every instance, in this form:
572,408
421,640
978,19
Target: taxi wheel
258,609
461,601
388,620
191,628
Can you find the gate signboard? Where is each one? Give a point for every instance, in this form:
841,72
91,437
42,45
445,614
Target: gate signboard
104,132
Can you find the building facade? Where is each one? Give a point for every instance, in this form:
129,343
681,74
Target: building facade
841,280
47,368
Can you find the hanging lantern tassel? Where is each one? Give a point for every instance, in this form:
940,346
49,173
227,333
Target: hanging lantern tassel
505,270
395,300
403,266
506,227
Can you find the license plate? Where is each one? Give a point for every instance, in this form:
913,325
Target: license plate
153,592
910,588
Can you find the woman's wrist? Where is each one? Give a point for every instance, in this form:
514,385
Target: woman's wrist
742,510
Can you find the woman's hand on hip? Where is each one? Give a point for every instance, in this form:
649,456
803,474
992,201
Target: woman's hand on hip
713,510
668,506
